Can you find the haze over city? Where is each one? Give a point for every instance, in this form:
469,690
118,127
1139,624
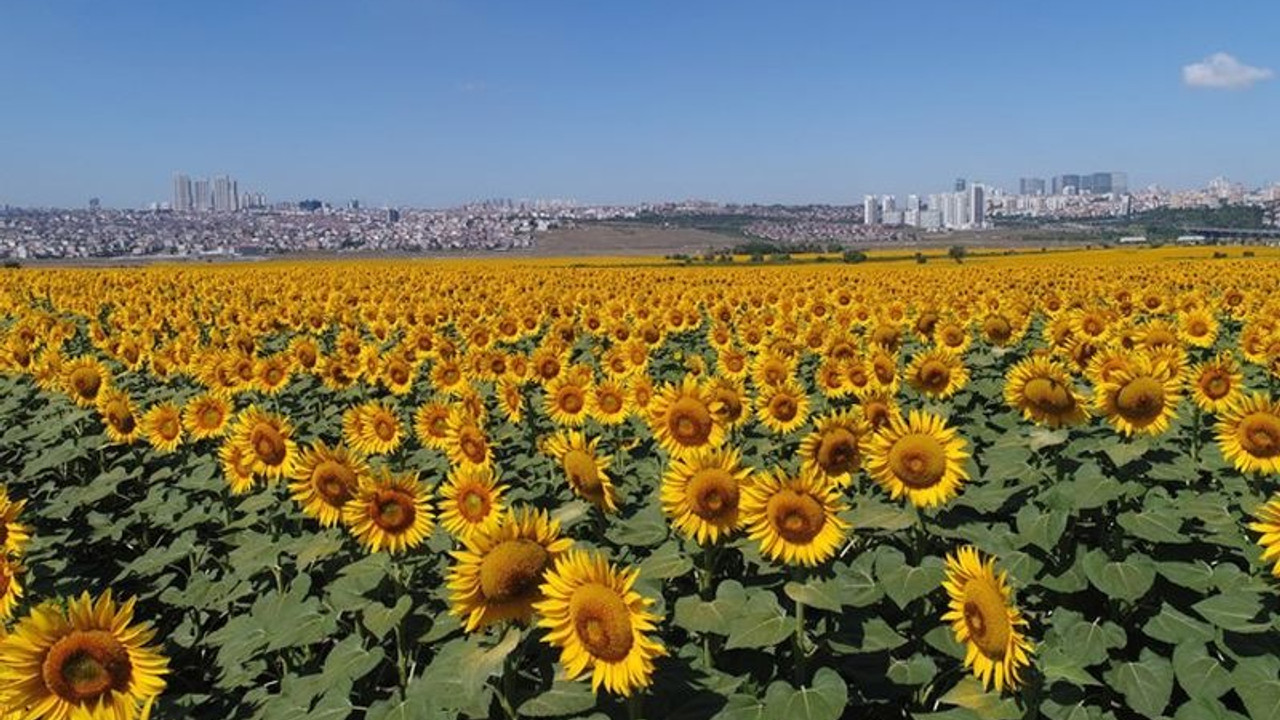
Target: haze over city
435,104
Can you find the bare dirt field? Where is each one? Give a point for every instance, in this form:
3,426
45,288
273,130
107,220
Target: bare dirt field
619,239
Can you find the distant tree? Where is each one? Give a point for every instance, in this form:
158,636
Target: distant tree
854,256
920,258
957,253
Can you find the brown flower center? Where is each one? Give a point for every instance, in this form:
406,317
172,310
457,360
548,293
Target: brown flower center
392,511
512,570
987,618
1259,434
838,452
1048,395
918,460
689,421
334,482
86,664
268,444
713,494
1141,400
797,517
602,622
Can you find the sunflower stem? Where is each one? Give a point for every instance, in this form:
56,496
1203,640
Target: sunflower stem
799,664
508,689
1195,438
635,706
706,586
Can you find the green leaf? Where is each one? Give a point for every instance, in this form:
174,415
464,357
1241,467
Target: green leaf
741,707
822,699
1086,642
1261,699
1128,579
1041,438
379,619
904,583
969,694
821,594
714,616
562,698
1041,529
1146,685
1174,627
1195,575
1198,674
349,660
1091,489
858,584
1122,452
666,562
1160,526
872,514
762,624
915,670
1057,664
1232,611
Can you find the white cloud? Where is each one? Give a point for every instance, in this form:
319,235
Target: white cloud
1221,71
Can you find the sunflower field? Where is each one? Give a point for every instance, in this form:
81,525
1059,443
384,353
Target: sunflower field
998,490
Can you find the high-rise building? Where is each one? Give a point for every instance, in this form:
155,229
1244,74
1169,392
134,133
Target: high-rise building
1031,186
203,199
977,206
223,194
95,204
1119,183
888,204
870,210
182,199
1062,183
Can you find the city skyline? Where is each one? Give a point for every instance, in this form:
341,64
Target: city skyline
435,104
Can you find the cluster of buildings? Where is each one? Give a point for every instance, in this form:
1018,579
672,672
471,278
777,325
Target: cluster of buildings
59,233
221,195
965,208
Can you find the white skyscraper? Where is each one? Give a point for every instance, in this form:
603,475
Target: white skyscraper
977,206
182,200
203,199
870,210
888,204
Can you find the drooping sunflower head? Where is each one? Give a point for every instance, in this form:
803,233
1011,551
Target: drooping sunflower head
325,479
13,534
1140,399
794,518
684,418
567,401
937,373
237,464
1217,384
119,416
266,440
1249,434
783,408
701,494
834,449
985,620
162,425
83,378
431,424
467,444
389,511
919,458
10,589
497,577
600,623
86,660
584,468
1043,390
372,428
1267,522
470,502
205,416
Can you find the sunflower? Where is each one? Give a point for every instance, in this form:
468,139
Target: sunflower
883,371
162,425
510,399
599,622
266,440
272,373
953,335
470,502
372,428
584,468
10,589
783,408
1267,522
567,401
119,416
1198,328
684,418
397,375
918,457
237,466
13,534
496,576
729,400
389,512
205,416
937,373
467,444
431,425
1140,398
607,402
447,376
87,660
1217,384
795,519
1043,390
1249,434
83,378
985,620
324,480
834,449
771,369
878,409
701,492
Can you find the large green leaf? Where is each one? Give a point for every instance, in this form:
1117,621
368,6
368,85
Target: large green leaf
988,705
562,698
1127,579
822,699
712,616
1232,611
1199,675
1146,685
763,623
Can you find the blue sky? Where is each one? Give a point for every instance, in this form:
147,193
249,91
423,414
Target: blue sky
437,103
